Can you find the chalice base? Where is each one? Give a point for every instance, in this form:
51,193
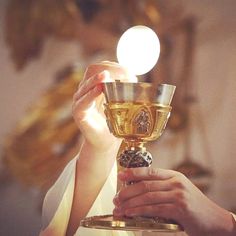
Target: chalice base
109,222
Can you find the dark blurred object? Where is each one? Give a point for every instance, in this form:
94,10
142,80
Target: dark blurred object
88,8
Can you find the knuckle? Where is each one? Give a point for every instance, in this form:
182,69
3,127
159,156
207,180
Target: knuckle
177,184
179,181
179,195
181,200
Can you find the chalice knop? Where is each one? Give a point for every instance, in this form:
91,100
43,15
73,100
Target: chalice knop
137,113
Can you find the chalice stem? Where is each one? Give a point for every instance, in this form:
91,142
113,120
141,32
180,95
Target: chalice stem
132,154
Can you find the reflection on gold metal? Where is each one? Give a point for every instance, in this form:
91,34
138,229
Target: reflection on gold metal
136,121
137,113
129,224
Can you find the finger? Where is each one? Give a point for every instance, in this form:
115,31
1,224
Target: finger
117,72
90,84
141,187
167,211
149,198
105,65
86,101
145,173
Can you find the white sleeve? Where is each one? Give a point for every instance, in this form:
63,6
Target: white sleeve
58,201
234,216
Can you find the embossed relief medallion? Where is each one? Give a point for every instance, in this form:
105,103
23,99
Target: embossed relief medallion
142,121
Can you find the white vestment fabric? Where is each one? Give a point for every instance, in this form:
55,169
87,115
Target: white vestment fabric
58,201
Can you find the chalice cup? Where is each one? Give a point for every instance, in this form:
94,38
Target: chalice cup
137,113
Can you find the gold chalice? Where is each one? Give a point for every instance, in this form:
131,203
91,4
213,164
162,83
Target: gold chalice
137,113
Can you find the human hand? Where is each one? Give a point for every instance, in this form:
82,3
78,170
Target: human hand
88,104
169,194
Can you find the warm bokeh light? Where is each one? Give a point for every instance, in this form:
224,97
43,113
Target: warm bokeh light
138,49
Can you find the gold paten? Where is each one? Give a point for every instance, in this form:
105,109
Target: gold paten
110,222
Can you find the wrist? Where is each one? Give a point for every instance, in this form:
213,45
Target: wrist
96,161
102,151
231,229
227,226
95,154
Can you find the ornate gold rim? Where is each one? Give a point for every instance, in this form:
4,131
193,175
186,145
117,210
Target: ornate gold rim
108,222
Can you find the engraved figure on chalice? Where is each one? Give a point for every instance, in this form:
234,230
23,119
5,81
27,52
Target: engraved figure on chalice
142,122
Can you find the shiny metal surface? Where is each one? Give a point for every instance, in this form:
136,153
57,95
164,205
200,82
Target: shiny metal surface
130,224
137,113
138,92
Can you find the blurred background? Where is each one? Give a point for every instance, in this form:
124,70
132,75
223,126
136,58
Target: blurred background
45,47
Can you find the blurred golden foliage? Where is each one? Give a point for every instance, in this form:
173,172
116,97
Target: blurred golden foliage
46,138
